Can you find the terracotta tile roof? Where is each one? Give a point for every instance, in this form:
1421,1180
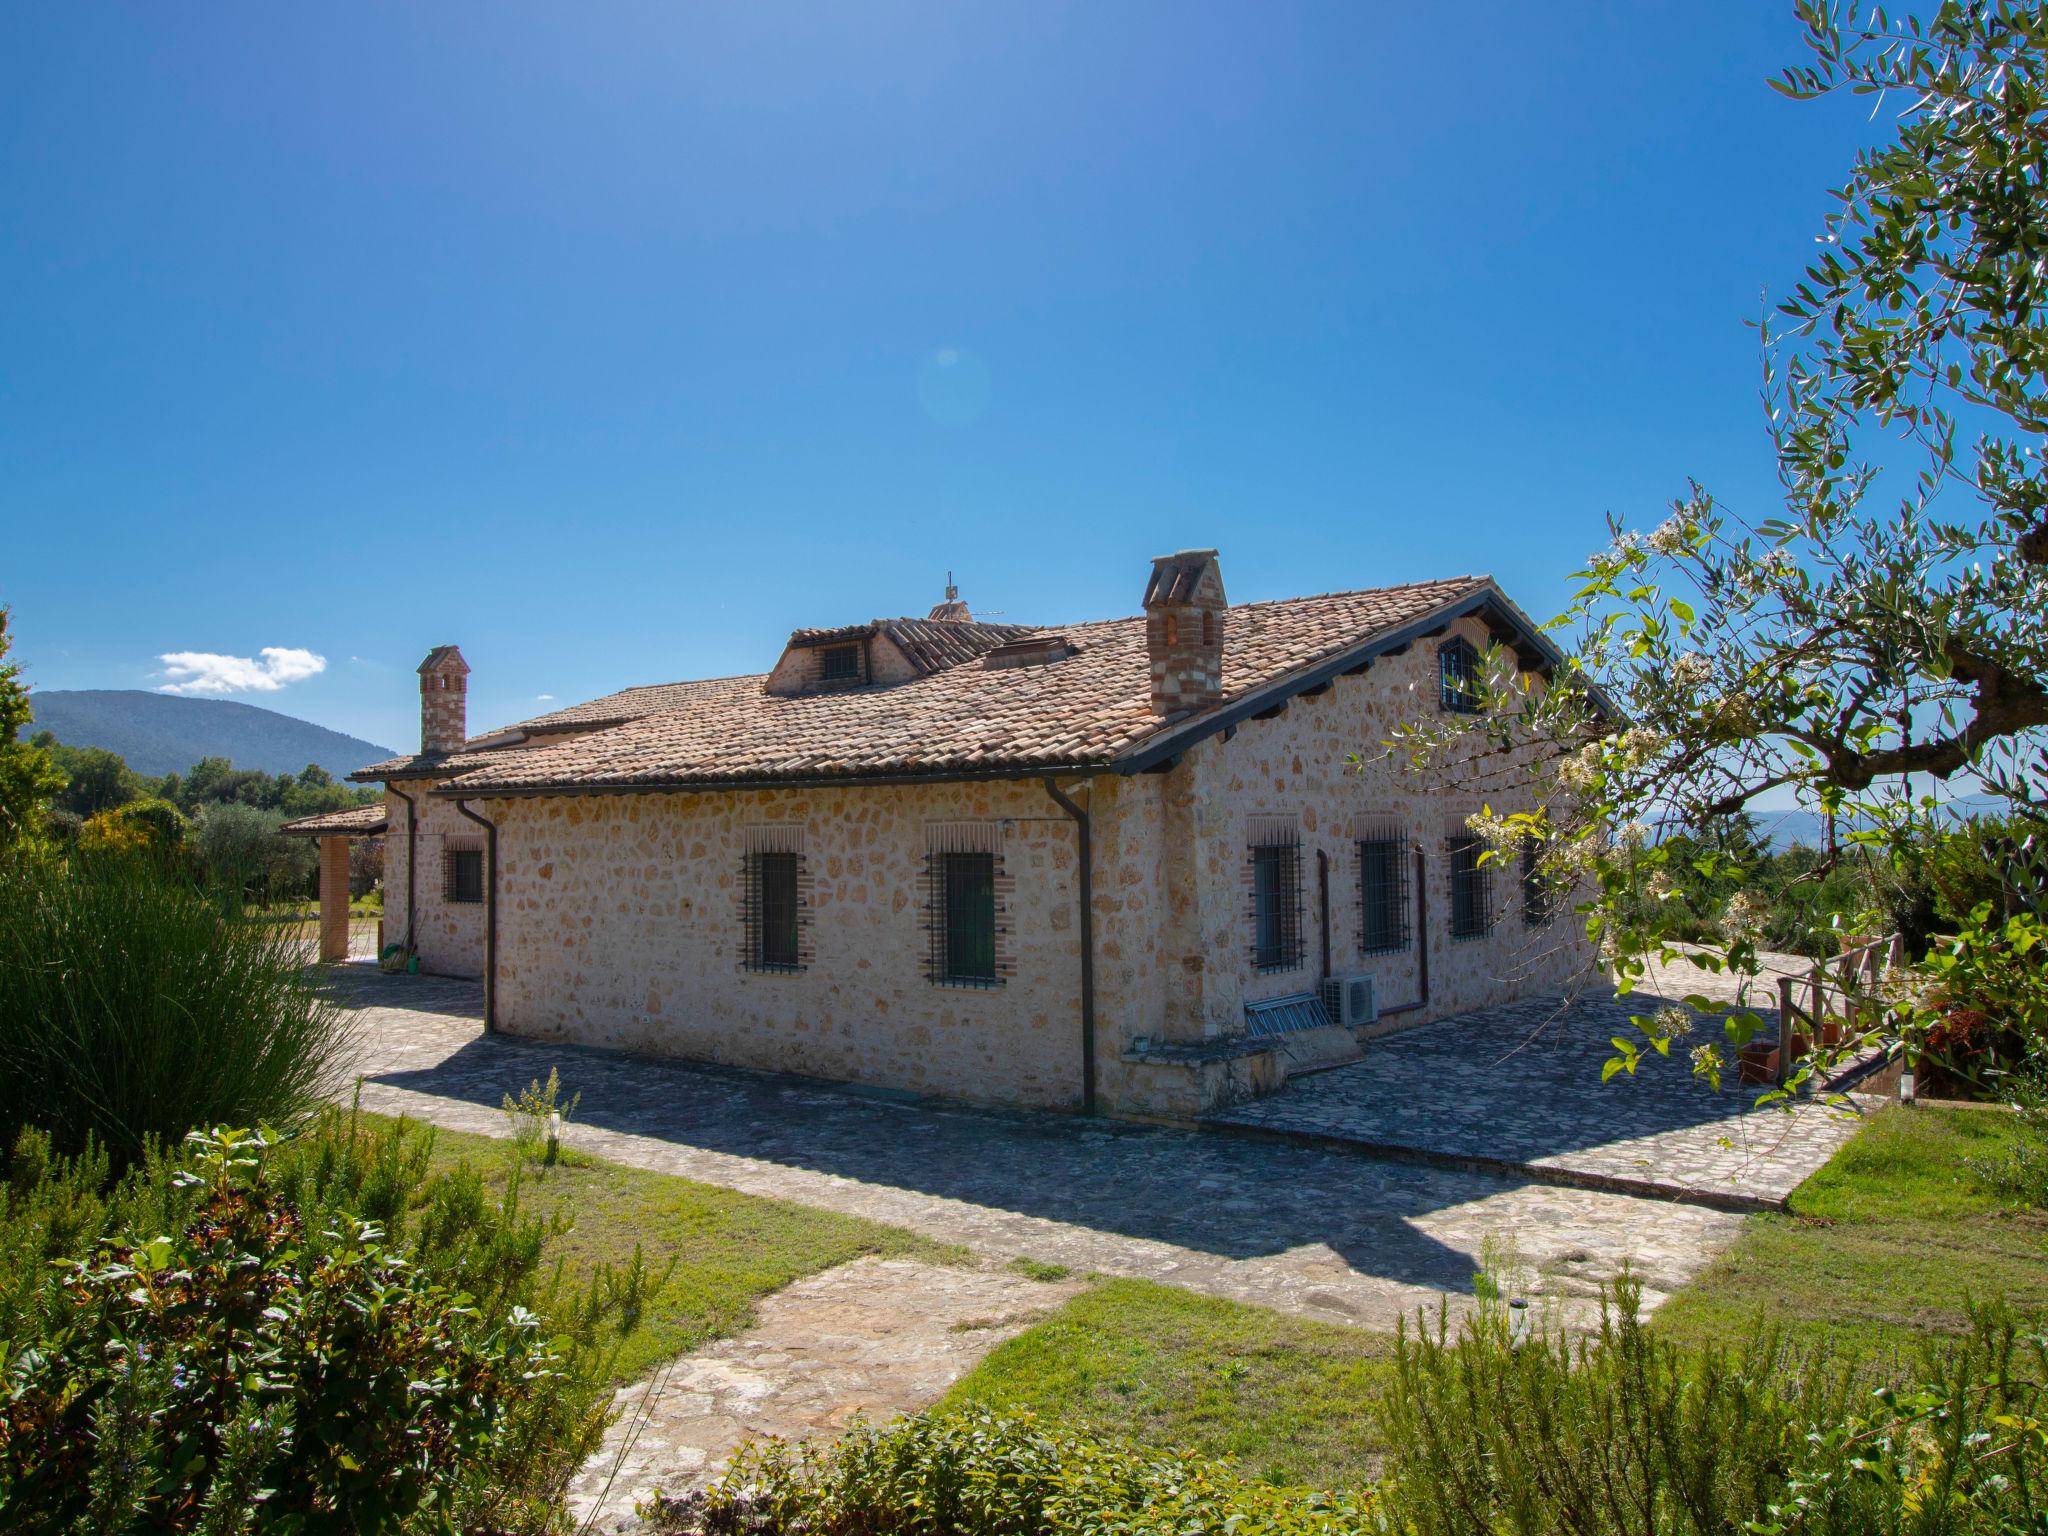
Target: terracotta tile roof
930,644
356,821
1087,710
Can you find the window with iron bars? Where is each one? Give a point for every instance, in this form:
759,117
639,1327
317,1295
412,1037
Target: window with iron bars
1457,671
964,884
1276,897
1535,890
1383,895
1471,889
839,664
774,909
462,874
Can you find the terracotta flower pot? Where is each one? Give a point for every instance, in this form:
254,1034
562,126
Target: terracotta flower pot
1758,1062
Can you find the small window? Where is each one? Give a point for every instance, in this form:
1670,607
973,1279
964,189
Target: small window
1457,668
839,664
970,918
965,892
774,908
1276,897
1535,890
1383,895
462,875
1471,890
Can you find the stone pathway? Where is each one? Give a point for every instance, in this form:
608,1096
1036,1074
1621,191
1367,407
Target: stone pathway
880,1337
1318,1232
1518,1089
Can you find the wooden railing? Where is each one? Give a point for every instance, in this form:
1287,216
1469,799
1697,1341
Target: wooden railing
1852,977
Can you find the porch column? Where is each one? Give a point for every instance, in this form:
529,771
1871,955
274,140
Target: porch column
333,900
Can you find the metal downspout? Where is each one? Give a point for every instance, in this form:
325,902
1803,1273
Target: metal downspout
412,865
1087,856
490,914
1323,906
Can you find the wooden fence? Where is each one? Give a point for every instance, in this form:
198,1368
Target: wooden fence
1838,997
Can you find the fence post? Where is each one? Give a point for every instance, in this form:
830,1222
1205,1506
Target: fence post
1784,1028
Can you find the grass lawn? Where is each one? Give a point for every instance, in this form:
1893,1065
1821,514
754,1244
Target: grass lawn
729,1249
1884,1246
1279,1397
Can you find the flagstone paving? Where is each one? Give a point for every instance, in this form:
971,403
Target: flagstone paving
1519,1088
1299,1222
1311,1230
877,1337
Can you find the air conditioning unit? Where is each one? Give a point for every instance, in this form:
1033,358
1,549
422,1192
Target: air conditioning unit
1349,1000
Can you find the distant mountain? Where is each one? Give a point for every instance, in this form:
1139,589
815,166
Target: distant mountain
160,733
1782,829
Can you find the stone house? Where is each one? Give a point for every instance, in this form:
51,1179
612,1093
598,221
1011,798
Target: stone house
1143,866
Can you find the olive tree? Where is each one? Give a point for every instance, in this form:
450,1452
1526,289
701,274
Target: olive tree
1878,645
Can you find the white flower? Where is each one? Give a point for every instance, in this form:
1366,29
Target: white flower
1691,670
1672,538
1580,769
1744,917
1671,1022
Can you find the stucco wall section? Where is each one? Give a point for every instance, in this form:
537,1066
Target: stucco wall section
621,924
449,935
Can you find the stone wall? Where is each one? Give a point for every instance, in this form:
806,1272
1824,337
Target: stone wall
1173,891
1296,764
621,919
449,935
621,924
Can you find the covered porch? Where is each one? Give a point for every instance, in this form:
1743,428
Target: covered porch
335,831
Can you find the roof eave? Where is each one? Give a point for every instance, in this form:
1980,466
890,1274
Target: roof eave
457,789
1177,738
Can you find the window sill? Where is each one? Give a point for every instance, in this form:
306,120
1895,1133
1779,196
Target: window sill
970,983
1371,951
753,968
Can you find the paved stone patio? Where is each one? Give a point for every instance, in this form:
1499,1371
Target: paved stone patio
1518,1088
1321,1232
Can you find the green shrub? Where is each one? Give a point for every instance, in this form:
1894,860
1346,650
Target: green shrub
130,1008
242,854
1626,1433
982,1474
258,1362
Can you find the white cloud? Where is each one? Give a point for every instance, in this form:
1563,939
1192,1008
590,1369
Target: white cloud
266,672
543,698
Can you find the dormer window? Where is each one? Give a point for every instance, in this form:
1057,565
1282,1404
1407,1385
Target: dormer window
1457,669
839,664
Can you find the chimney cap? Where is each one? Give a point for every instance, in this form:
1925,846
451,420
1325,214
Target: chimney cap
1185,576
952,610
444,658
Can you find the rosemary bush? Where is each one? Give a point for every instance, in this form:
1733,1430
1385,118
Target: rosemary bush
132,1008
1626,1433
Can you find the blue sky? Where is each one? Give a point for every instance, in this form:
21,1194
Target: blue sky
614,342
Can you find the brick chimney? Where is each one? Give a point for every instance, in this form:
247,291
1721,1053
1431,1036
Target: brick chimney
1185,611
444,700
